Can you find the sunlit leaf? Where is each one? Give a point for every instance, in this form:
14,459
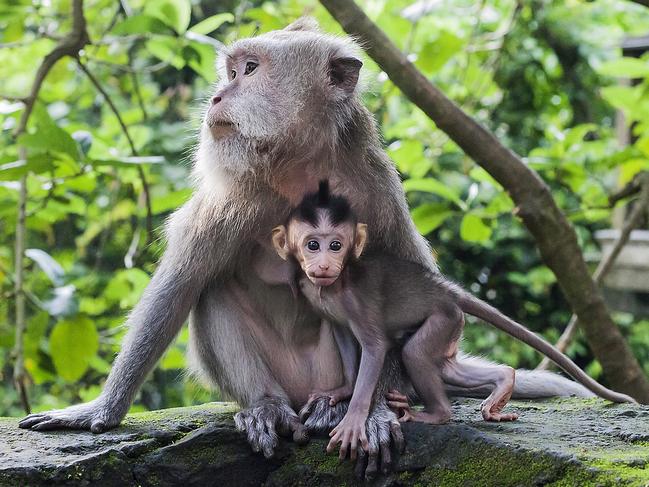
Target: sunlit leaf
430,185
73,344
141,24
212,23
625,67
430,216
169,201
175,13
167,50
473,229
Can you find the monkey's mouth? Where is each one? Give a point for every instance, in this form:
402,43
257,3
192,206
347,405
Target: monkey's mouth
220,128
323,280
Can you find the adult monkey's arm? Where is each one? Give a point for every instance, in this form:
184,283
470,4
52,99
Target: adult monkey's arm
203,242
554,235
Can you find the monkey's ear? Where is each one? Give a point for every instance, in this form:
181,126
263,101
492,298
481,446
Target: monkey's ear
343,73
303,23
360,239
279,241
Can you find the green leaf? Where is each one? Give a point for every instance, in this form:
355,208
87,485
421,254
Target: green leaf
73,344
166,49
473,229
212,23
434,55
51,138
126,287
430,185
173,359
128,161
430,216
170,201
141,24
175,13
626,67
201,58
13,171
406,153
623,97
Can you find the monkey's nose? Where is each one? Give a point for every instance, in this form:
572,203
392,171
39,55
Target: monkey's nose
215,100
323,267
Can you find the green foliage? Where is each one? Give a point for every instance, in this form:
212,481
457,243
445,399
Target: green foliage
73,344
542,76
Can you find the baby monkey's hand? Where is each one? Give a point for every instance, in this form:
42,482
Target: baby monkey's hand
349,432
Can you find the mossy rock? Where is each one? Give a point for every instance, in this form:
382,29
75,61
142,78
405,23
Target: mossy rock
569,442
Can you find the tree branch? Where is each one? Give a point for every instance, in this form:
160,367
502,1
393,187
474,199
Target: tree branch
70,45
555,237
606,264
118,116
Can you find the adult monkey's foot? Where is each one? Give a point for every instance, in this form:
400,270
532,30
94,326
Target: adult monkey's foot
383,430
264,420
95,416
385,440
319,416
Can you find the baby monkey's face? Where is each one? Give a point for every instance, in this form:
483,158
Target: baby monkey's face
321,250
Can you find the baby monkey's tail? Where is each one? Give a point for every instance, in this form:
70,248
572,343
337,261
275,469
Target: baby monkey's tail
478,308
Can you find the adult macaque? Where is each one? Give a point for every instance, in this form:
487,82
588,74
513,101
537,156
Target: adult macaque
286,113
380,297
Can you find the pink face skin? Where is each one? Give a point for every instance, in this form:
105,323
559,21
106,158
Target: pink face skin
322,250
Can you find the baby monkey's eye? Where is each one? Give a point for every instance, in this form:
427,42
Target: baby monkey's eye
335,245
313,245
233,74
250,67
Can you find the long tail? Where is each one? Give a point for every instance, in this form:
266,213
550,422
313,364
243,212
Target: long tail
478,308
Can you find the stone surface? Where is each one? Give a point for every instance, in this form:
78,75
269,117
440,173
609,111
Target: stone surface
568,442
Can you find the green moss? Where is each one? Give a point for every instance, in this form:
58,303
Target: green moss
489,465
313,455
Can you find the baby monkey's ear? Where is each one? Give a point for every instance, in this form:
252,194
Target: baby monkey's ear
279,241
360,239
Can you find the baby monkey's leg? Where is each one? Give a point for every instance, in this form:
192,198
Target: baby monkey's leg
424,356
500,378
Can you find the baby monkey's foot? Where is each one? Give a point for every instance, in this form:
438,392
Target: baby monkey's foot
335,395
492,412
399,404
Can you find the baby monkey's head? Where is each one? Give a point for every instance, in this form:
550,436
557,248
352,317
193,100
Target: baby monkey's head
321,234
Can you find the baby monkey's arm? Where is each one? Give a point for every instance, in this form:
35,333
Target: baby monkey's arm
366,328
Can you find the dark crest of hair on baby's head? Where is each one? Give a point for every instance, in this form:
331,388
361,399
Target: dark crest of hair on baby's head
337,207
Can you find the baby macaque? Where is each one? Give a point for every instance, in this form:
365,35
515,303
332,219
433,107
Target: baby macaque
380,298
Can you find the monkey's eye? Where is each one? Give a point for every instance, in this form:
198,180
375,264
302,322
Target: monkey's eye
233,74
335,245
250,67
313,245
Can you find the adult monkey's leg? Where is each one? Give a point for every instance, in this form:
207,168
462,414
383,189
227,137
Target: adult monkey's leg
202,243
228,341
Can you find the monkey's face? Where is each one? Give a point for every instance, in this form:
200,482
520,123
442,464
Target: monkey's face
279,93
321,250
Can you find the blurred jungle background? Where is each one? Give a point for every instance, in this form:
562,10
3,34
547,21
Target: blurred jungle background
105,154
